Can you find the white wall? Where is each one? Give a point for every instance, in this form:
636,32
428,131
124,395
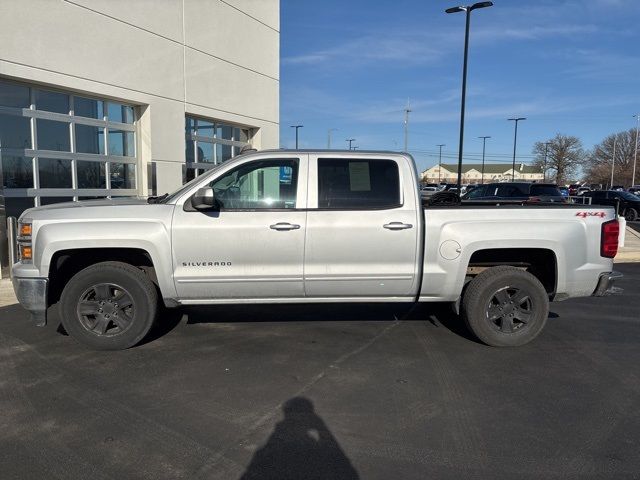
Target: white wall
214,58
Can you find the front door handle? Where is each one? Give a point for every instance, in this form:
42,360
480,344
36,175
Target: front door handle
281,226
397,226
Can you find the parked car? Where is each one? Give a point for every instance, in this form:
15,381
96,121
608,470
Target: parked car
618,188
628,203
635,190
516,191
582,191
428,191
573,189
284,226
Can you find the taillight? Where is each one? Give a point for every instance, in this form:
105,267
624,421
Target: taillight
609,239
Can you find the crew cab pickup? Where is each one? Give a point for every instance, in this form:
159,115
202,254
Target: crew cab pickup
306,227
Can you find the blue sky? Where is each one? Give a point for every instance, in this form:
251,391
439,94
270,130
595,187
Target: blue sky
568,66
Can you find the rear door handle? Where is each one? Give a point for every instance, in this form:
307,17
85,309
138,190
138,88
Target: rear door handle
397,226
281,226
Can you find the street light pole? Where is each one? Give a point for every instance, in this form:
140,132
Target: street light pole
544,171
484,142
515,140
440,160
297,127
467,10
350,140
406,127
635,152
329,137
613,159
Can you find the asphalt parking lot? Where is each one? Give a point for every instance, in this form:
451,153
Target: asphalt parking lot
328,392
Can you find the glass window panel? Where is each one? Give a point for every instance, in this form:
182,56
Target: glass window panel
358,184
120,113
205,128
89,139
54,173
91,174
223,152
263,184
123,175
225,132
17,172
243,135
52,101
205,152
16,205
51,200
189,125
15,132
53,135
12,95
88,107
121,143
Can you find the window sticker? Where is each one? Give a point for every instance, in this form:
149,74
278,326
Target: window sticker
359,178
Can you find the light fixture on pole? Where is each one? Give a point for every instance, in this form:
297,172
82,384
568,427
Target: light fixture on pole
350,140
440,160
329,137
484,142
467,10
297,127
515,140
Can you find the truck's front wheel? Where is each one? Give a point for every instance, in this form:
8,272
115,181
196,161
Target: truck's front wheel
109,306
505,306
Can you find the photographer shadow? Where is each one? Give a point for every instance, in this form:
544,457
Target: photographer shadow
300,447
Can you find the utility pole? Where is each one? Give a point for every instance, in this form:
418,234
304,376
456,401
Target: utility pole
297,127
329,137
406,126
440,160
544,171
613,159
350,140
515,140
635,152
484,142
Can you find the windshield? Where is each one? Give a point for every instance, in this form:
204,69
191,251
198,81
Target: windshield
628,196
187,186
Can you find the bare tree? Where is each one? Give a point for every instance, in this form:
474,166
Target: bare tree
598,166
564,156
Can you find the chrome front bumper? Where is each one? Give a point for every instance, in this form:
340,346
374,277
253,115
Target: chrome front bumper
605,284
32,295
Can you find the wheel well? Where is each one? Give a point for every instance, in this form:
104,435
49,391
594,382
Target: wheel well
540,262
66,263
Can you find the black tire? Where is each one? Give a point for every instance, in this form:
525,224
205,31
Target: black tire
505,306
630,214
90,311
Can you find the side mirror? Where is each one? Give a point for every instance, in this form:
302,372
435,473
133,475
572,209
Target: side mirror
204,199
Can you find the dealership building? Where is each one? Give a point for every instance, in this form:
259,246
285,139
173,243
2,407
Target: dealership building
117,98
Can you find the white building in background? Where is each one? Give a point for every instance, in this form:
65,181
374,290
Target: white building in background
471,173
119,97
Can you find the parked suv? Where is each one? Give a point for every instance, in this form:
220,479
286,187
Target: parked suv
532,192
629,204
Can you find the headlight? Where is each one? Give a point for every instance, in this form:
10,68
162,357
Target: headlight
25,250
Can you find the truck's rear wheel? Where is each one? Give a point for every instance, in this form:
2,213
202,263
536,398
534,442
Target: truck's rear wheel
109,306
505,306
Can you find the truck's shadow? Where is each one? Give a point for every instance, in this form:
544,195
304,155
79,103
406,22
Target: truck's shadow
438,315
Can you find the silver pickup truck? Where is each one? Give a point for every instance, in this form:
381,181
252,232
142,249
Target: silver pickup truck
307,227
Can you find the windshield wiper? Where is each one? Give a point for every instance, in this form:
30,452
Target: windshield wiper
157,199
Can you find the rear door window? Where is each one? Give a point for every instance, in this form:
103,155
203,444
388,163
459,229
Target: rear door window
548,190
350,183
